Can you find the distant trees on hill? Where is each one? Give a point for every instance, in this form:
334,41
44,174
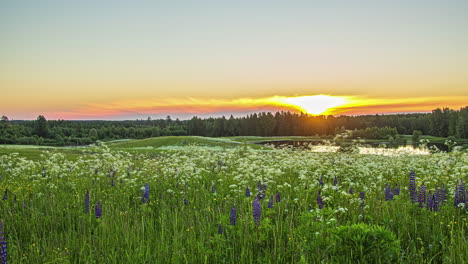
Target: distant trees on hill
441,122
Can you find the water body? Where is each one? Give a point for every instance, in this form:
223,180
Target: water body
306,143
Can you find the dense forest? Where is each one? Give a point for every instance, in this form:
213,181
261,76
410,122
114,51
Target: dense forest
440,122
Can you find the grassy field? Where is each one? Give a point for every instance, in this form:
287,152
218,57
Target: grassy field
190,205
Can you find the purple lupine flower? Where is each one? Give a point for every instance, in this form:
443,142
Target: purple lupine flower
3,245
321,181
396,191
335,181
351,190
422,195
233,216
319,200
259,186
388,193
86,202
412,187
278,196
185,201
270,202
220,229
112,182
436,200
98,210
264,187
459,193
431,201
247,191
443,194
362,196
256,211
213,188
146,194
5,194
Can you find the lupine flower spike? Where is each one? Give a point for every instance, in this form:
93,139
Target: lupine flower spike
388,193
233,216
270,203
278,197
396,191
412,187
256,211
3,245
247,191
146,193
422,195
98,210
319,200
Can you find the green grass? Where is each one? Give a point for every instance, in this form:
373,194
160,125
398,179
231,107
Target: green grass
34,152
181,141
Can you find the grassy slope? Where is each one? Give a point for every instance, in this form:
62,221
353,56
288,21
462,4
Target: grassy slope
159,142
35,152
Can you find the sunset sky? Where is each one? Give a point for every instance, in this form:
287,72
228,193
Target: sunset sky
134,59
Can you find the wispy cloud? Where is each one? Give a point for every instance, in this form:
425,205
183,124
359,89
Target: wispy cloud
188,107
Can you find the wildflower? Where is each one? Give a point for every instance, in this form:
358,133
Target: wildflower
388,193
146,193
3,245
5,194
185,201
247,191
430,201
321,181
233,216
220,229
396,191
256,211
259,186
362,196
86,202
335,181
319,200
412,188
443,194
270,202
351,190
112,182
422,195
459,193
278,197
98,210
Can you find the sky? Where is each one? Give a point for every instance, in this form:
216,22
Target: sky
134,59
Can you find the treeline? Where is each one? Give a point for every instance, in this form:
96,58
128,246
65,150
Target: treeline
441,122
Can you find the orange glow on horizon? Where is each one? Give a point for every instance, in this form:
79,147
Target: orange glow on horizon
188,107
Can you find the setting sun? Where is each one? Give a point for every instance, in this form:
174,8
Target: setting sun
316,104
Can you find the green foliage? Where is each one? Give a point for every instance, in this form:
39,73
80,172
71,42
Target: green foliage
362,243
348,147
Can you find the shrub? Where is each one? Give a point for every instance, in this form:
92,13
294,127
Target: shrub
362,243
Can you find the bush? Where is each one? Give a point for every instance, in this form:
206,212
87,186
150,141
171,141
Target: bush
362,243
348,148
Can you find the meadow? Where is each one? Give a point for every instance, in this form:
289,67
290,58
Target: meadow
227,201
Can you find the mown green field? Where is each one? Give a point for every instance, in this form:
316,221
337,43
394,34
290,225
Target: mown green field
166,200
